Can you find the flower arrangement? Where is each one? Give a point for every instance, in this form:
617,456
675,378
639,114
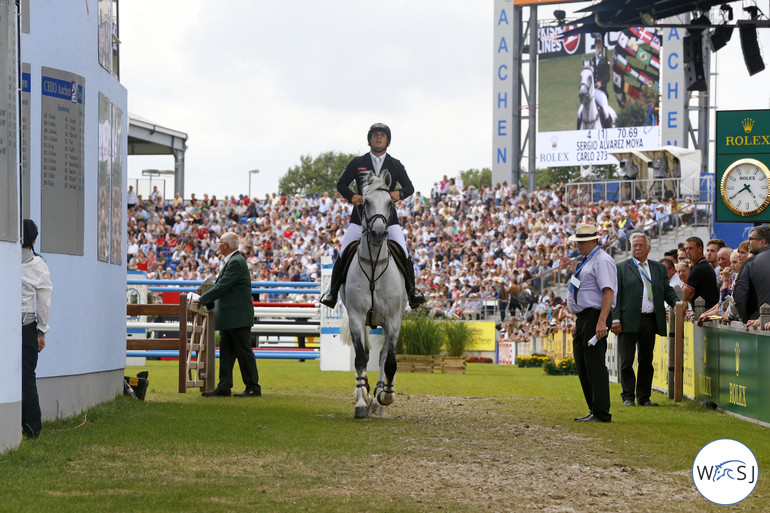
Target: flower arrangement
479,359
533,360
564,367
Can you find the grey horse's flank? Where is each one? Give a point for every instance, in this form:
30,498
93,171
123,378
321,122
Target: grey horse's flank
374,293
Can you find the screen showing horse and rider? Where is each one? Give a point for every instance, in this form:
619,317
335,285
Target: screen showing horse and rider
607,80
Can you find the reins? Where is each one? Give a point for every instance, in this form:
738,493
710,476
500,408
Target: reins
373,263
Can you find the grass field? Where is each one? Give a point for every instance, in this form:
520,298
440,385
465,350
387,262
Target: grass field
499,438
559,80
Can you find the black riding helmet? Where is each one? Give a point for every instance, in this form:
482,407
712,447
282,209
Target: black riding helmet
378,127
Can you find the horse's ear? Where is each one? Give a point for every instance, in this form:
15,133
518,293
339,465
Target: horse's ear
387,179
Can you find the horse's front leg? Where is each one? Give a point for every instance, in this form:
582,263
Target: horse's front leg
362,383
384,392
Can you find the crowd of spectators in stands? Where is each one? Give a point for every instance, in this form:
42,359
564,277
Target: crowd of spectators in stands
469,244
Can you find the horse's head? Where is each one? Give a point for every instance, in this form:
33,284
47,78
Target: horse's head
586,90
377,203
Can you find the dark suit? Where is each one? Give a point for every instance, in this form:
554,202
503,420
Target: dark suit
640,329
230,297
354,173
752,286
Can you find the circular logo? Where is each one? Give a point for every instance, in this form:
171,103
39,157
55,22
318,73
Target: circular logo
571,43
725,471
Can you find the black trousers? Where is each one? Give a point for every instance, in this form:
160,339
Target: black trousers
31,422
235,344
628,343
590,363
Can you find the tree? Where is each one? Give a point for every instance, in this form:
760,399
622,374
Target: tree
315,175
476,177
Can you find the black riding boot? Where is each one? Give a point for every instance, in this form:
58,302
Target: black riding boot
330,298
415,296
338,276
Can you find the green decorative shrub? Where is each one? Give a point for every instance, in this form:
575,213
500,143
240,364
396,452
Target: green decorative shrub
419,334
458,336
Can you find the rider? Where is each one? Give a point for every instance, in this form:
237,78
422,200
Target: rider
601,67
376,160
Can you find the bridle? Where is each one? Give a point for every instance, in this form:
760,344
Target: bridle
373,263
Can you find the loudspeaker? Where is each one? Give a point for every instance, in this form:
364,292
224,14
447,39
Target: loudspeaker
750,47
694,75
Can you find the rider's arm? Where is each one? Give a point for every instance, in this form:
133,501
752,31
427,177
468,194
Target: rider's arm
348,177
400,177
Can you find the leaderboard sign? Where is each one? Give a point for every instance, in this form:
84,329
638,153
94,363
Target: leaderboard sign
596,96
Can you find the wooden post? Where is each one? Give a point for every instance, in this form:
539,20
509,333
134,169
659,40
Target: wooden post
764,315
679,352
182,343
674,315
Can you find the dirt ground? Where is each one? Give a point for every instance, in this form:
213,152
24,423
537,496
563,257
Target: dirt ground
469,454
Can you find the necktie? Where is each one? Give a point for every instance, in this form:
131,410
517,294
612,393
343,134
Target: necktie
377,165
646,281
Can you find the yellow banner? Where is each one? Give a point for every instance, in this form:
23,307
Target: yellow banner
483,336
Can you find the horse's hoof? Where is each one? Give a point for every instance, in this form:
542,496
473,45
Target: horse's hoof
361,412
384,398
378,410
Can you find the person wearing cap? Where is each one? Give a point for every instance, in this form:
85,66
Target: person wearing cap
376,161
591,296
639,315
36,289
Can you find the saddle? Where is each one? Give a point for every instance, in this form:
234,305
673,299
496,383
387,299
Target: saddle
395,249
348,256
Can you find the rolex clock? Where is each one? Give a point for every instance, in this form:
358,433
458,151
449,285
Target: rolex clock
744,187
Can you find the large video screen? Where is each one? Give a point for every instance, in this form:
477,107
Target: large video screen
597,94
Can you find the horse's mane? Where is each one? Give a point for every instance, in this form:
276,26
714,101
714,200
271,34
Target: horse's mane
372,182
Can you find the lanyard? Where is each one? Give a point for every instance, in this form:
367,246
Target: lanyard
584,262
639,266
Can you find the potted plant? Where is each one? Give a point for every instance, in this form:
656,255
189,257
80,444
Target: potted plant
457,335
419,340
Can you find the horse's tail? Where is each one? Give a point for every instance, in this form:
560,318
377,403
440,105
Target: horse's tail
345,335
345,329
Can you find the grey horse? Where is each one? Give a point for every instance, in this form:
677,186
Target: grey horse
374,295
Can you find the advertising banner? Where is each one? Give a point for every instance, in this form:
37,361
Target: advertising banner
597,94
743,166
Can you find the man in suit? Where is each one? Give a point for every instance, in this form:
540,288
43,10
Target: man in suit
230,297
752,286
640,314
376,161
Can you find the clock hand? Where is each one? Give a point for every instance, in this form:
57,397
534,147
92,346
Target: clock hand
748,188
745,186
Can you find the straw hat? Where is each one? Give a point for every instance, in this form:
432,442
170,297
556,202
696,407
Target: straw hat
584,232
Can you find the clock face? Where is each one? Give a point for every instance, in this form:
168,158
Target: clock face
745,187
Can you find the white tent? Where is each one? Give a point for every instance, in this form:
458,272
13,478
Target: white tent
659,163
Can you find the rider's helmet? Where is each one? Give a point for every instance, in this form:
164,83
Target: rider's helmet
378,127
598,42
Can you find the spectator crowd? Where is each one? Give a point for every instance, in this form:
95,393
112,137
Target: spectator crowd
469,245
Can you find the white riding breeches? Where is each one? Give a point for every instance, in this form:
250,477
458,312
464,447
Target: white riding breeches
601,101
353,233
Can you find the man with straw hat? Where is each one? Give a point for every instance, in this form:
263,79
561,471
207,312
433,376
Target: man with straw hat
591,296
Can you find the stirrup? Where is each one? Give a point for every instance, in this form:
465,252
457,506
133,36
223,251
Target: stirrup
329,299
416,298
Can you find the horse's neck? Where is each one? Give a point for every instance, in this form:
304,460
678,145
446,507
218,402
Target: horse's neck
375,252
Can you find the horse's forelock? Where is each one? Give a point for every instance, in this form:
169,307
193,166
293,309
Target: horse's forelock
373,182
